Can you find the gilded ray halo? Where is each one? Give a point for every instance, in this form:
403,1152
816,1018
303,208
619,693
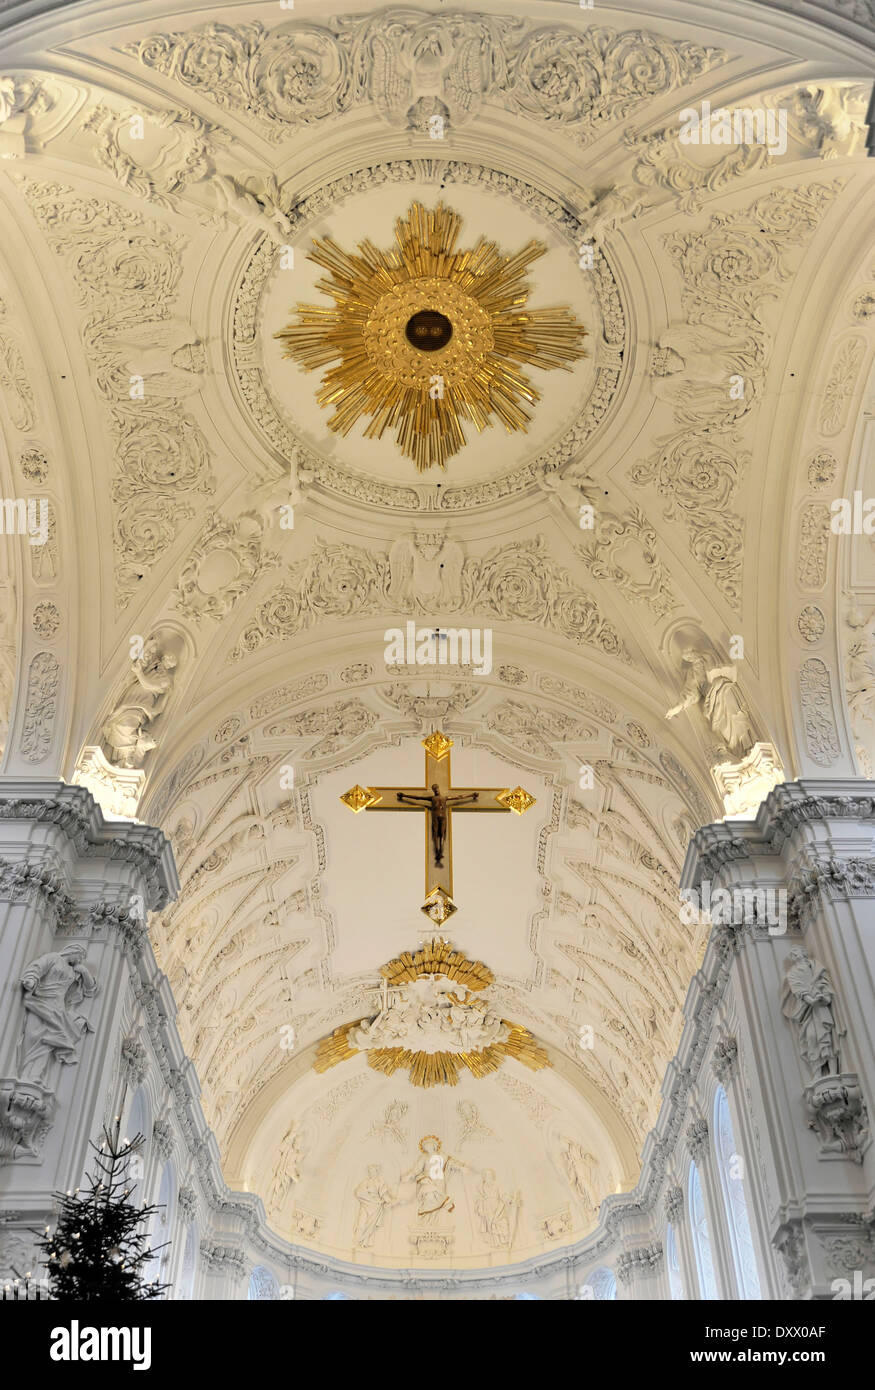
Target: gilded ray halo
426,336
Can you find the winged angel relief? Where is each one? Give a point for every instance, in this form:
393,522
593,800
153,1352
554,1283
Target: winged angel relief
426,570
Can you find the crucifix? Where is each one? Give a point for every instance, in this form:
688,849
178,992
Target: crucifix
439,799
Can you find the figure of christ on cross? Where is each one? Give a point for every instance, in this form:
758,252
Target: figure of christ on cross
437,815
439,804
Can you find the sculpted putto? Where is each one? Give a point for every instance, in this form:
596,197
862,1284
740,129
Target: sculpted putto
572,489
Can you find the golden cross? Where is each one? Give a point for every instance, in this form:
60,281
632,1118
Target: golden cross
438,799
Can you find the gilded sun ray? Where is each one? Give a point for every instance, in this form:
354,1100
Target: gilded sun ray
428,335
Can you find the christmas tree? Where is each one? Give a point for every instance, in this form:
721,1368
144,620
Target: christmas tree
99,1247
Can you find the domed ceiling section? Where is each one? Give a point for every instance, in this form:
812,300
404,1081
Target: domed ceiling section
516,1168
215,658
495,450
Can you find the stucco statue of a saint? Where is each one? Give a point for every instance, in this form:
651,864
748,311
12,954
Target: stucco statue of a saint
496,1211
374,1197
53,986
715,690
430,1173
127,731
807,1001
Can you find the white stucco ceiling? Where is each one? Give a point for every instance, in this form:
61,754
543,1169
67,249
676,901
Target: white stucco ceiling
114,255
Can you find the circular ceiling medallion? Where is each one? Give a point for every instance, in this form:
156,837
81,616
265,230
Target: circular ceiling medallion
285,411
375,369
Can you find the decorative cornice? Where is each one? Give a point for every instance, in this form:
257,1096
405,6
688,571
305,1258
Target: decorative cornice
77,815
788,807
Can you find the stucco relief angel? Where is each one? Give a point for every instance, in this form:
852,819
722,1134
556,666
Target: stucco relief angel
254,198
277,499
425,572
572,489
166,353
692,369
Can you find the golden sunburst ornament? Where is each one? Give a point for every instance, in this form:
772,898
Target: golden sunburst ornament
449,1020
425,336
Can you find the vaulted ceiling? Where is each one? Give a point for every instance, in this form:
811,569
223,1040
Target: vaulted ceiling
165,173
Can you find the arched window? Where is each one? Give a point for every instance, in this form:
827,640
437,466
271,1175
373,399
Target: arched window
330,1296
185,1289
601,1284
161,1229
701,1236
263,1285
139,1121
731,1167
528,1297
673,1264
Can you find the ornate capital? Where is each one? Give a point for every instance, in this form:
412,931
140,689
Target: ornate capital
790,1244
697,1138
135,1061
162,1138
830,880
724,1060
717,847
674,1205
790,806
188,1203
30,883
643,1260
127,924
